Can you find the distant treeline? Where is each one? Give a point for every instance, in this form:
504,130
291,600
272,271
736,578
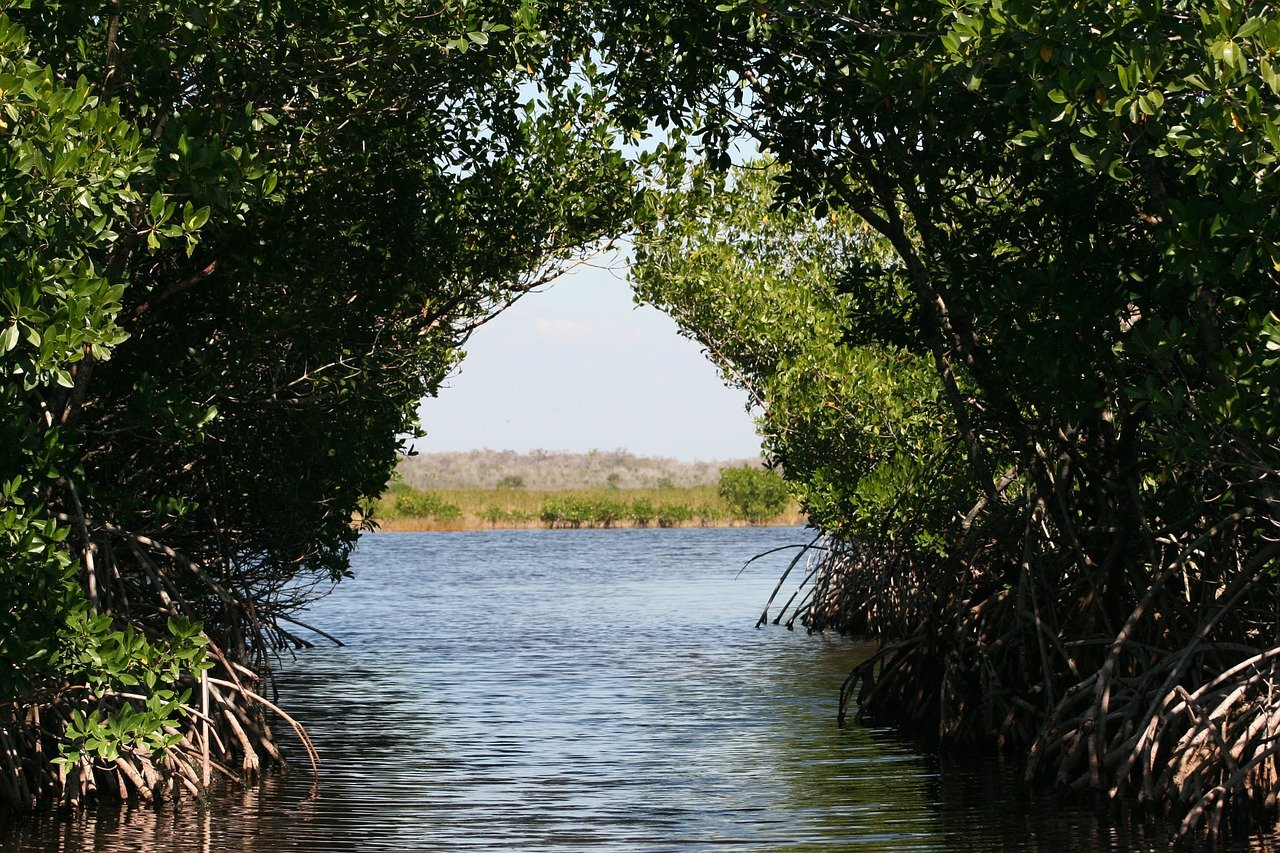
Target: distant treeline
742,496
544,470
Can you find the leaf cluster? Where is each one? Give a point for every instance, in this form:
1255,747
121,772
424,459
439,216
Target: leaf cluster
807,315
242,241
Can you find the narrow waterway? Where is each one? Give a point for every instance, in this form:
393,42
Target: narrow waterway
586,690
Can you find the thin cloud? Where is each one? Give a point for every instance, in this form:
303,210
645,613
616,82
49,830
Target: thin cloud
561,330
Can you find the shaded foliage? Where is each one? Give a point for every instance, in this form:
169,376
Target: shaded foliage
241,235
1079,200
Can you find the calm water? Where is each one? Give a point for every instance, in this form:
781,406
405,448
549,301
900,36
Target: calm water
571,690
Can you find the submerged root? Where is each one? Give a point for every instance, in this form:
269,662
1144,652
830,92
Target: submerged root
69,740
234,733
1158,686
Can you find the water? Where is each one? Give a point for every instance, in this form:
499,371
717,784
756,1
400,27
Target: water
571,690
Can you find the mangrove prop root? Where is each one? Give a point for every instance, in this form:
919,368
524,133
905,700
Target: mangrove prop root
1158,687
234,734
223,732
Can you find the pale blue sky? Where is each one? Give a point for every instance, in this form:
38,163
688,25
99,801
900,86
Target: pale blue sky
579,366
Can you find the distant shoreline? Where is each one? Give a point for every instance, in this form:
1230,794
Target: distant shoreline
404,509
430,525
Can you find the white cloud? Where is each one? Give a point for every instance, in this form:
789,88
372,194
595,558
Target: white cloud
562,330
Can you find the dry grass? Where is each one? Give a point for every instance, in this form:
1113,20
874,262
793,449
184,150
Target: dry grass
546,470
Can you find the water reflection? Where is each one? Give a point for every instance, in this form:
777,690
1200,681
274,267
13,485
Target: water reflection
586,690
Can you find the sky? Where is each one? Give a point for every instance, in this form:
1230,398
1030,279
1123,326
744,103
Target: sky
578,366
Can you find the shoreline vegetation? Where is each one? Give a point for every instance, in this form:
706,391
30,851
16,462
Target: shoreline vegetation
403,509
1005,303
559,490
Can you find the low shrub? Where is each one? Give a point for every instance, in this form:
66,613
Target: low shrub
413,504
642,512
669,515
754,494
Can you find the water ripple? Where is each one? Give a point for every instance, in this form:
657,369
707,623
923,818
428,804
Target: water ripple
573,690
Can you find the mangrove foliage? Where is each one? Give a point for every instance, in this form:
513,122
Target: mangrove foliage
1003,287
1008,302
235,236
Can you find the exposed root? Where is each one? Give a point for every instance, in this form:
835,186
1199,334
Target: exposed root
221,733
235,734
1155,684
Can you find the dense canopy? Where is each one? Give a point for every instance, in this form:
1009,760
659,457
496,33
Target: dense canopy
241,242
1078,203
1003,286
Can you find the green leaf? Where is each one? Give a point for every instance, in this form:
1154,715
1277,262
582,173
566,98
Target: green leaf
1269,75
1229,52
1249,27
197,219
1119,171
157,207
1082,156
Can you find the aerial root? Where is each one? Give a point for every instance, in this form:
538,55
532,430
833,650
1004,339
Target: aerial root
235,734
1174,706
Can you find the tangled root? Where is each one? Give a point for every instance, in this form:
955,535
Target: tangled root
1156,685
228,737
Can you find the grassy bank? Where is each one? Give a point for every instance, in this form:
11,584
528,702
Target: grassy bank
405,509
